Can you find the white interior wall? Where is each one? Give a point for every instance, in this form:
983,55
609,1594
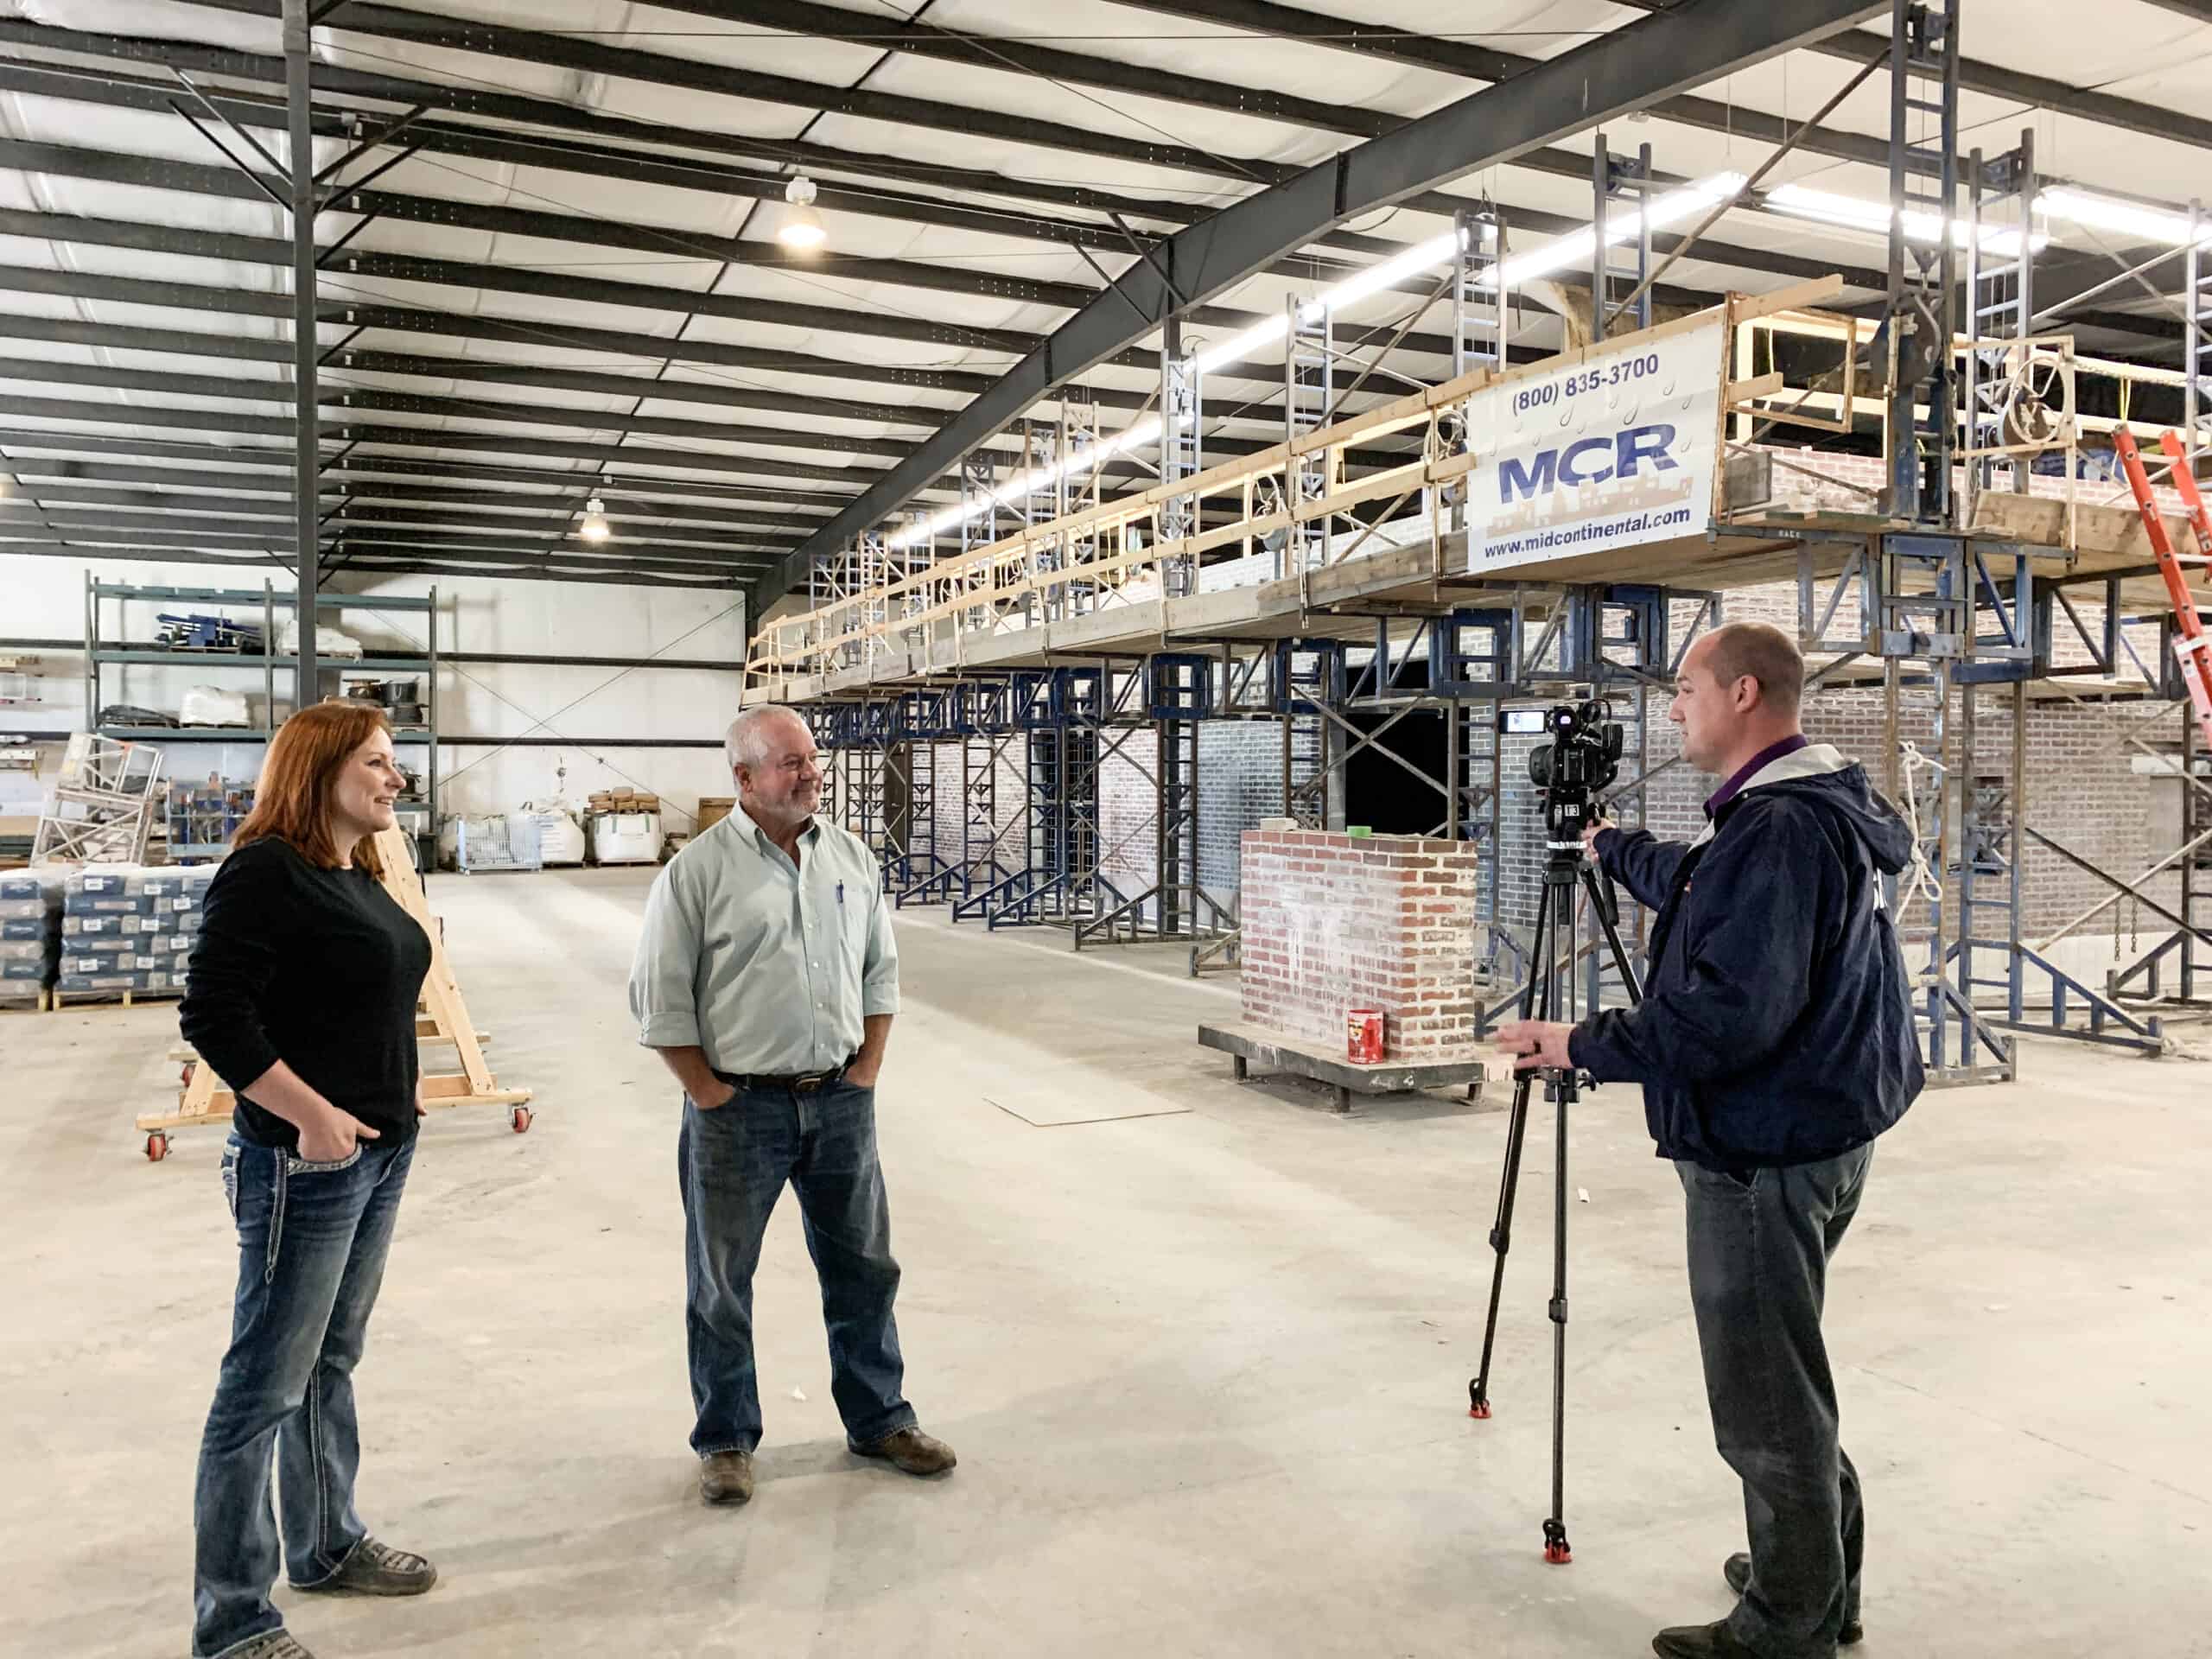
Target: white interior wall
44,597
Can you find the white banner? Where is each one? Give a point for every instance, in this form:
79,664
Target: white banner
1614,449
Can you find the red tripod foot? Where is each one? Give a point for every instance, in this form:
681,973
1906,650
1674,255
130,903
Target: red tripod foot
1555,1549
1477,1402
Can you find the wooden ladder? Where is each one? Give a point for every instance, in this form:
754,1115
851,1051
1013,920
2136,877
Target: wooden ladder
441,1018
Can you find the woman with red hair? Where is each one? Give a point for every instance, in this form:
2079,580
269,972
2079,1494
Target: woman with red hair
303,997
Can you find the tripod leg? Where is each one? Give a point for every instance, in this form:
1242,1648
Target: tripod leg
1606,921
1516,1129
1501,1241
1555,1549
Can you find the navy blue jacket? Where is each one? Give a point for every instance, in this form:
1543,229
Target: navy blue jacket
1776,1025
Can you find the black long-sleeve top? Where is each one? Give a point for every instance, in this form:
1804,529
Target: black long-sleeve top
320,968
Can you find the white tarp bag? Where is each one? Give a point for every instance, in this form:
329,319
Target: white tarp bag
329,642
210,705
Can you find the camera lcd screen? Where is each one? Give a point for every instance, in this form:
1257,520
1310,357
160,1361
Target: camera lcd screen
1522,722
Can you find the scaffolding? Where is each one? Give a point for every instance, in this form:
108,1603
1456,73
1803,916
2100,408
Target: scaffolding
1975,583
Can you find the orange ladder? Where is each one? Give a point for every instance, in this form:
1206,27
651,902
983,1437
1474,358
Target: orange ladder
2192,645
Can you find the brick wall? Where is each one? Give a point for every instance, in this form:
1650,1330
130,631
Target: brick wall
1240,782
1335,922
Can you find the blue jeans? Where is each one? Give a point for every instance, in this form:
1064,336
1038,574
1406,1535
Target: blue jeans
732,1163
312,1243
1759,1244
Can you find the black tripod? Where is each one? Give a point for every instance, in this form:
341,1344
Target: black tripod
1554,917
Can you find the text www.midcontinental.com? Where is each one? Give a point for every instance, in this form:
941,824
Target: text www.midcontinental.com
1543,541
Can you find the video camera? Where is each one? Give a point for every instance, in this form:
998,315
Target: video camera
1582,758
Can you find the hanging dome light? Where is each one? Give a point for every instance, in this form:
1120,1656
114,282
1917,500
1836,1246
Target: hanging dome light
594,527
802,226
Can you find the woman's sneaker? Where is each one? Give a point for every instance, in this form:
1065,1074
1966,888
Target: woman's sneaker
277,1644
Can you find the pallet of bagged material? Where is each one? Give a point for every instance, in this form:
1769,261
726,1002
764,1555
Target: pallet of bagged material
111,988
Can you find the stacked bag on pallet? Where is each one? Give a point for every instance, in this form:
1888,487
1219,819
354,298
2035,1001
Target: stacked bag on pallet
30,932
126,928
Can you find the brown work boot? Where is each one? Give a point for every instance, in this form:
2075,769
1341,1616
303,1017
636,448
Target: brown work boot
912,1451
376,1569
726,1478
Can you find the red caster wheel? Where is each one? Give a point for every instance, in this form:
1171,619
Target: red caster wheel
157,1146
520,1118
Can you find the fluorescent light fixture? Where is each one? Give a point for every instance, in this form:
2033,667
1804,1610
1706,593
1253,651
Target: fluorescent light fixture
1576,248
1873,218
1580,247
1262,332
594,527
1129,437
802,226
1370,280
2122,218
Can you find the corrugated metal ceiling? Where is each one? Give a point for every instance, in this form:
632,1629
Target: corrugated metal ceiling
586,293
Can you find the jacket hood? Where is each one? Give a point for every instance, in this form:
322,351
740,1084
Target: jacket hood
1820,774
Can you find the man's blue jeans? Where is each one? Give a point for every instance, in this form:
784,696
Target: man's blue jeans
312,1243
1759,1244
733,1163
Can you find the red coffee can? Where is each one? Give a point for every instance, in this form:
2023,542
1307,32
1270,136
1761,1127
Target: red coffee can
1363,1036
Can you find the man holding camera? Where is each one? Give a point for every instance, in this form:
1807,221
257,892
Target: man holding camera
1774,1043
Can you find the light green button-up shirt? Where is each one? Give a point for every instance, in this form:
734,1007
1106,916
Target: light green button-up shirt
768,966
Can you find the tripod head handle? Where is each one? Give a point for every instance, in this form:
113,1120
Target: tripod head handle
1609,898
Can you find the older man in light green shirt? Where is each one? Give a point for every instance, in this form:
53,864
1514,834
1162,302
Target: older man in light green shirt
766,977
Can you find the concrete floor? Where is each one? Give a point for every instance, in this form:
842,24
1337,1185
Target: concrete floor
1205,1367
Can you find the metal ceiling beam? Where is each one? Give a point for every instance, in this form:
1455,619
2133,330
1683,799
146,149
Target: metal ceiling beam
386,477
597,56
392,474
724,393
1384,43
628,552
464,34
585,230
351,314
371,504
228,454
48,372
602,162
409,320
166,547
2039,91
73,161
66,161
594,57
123,533
1699,41
508,569
427,437
342,402
476,100
53,510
